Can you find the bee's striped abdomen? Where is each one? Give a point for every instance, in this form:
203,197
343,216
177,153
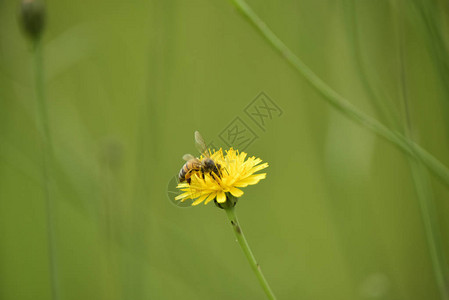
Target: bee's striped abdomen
187,168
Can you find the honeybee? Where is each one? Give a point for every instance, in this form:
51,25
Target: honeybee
193,164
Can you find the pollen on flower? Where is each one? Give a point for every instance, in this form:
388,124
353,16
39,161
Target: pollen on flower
236,171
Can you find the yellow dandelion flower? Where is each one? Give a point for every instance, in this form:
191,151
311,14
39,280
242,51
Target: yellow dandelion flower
236,171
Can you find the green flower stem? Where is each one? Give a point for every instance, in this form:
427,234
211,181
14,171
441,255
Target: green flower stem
422,179
40,95
42,123
248,253
385,111
339,102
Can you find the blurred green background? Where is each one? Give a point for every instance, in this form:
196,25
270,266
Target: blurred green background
127,84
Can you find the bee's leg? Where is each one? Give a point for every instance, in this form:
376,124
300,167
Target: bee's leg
217,169
187,177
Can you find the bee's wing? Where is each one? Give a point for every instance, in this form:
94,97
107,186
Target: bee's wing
200,144
188,157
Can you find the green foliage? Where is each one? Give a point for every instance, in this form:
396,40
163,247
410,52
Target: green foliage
341,214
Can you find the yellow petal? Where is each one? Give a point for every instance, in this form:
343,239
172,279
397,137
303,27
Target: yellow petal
221,197
253,179
256,161
200,199
182,185
259,167
236,192
210,198
182,196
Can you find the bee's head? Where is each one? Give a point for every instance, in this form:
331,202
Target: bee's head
208,164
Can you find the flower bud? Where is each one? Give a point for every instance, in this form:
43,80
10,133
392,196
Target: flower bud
32,15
